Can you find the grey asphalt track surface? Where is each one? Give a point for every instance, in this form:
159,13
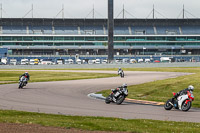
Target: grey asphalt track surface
70,98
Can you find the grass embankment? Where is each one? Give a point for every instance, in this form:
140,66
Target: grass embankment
97,123
42,76
161,90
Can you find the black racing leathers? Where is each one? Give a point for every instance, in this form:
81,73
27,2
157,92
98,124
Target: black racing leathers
26,75
182,92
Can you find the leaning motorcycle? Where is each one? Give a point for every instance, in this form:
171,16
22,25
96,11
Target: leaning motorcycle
22,82
121,73
183,102
117,96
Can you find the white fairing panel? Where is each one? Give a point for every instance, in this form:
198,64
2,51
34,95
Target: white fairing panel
181,99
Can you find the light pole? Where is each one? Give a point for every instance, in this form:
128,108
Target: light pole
110,31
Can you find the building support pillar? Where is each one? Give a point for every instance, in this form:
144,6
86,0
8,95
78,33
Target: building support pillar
110,31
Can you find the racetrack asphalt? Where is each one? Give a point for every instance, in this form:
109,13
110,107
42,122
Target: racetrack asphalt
70,98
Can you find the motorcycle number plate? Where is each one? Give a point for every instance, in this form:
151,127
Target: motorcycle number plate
117,94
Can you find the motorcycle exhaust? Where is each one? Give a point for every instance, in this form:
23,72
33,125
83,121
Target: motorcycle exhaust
171,103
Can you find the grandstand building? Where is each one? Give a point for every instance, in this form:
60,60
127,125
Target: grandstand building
38,36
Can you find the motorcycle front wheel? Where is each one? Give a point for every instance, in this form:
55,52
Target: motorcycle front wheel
167,105
122,75
20,85
186,107
120,99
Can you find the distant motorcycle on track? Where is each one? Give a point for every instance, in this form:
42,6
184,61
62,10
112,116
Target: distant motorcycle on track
22,82
121,73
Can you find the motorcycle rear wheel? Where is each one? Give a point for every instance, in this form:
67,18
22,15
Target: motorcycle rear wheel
186,107
167,105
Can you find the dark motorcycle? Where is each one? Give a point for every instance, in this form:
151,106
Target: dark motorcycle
22,82
121,73
117,96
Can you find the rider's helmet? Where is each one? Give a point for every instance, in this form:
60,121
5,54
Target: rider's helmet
190,87
26,73
124,85
119,67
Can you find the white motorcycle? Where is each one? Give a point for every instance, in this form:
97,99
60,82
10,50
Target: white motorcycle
22,82
183,102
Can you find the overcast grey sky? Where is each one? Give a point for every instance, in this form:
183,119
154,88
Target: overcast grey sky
82,8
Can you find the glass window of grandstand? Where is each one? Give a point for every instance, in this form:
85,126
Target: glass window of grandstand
79,38
58,38
130,38
48,44
151,38
140,38
119,38
48,38
58,44
89,38
38,38
121,44
198,38
27,38
16,38
86,44
181,38
160,38
39,44
191,38
171,39
100,38
8,43
6,38
69,38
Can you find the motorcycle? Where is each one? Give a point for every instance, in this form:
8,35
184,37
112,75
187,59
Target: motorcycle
183,102
117,96
22,82
121,73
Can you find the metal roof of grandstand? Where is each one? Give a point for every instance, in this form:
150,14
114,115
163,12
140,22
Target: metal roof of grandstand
79,21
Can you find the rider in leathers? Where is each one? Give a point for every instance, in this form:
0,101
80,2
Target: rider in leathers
119,70
118,88
182,92
26,75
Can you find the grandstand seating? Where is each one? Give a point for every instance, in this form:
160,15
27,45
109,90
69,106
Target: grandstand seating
68,30
190,29
91,30
121,30
169,30
101,30
14,29
142,30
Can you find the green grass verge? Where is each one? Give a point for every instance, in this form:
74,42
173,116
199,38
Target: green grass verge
42,76
161,90
97,123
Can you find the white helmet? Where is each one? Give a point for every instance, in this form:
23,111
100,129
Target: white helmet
190,87
124,85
